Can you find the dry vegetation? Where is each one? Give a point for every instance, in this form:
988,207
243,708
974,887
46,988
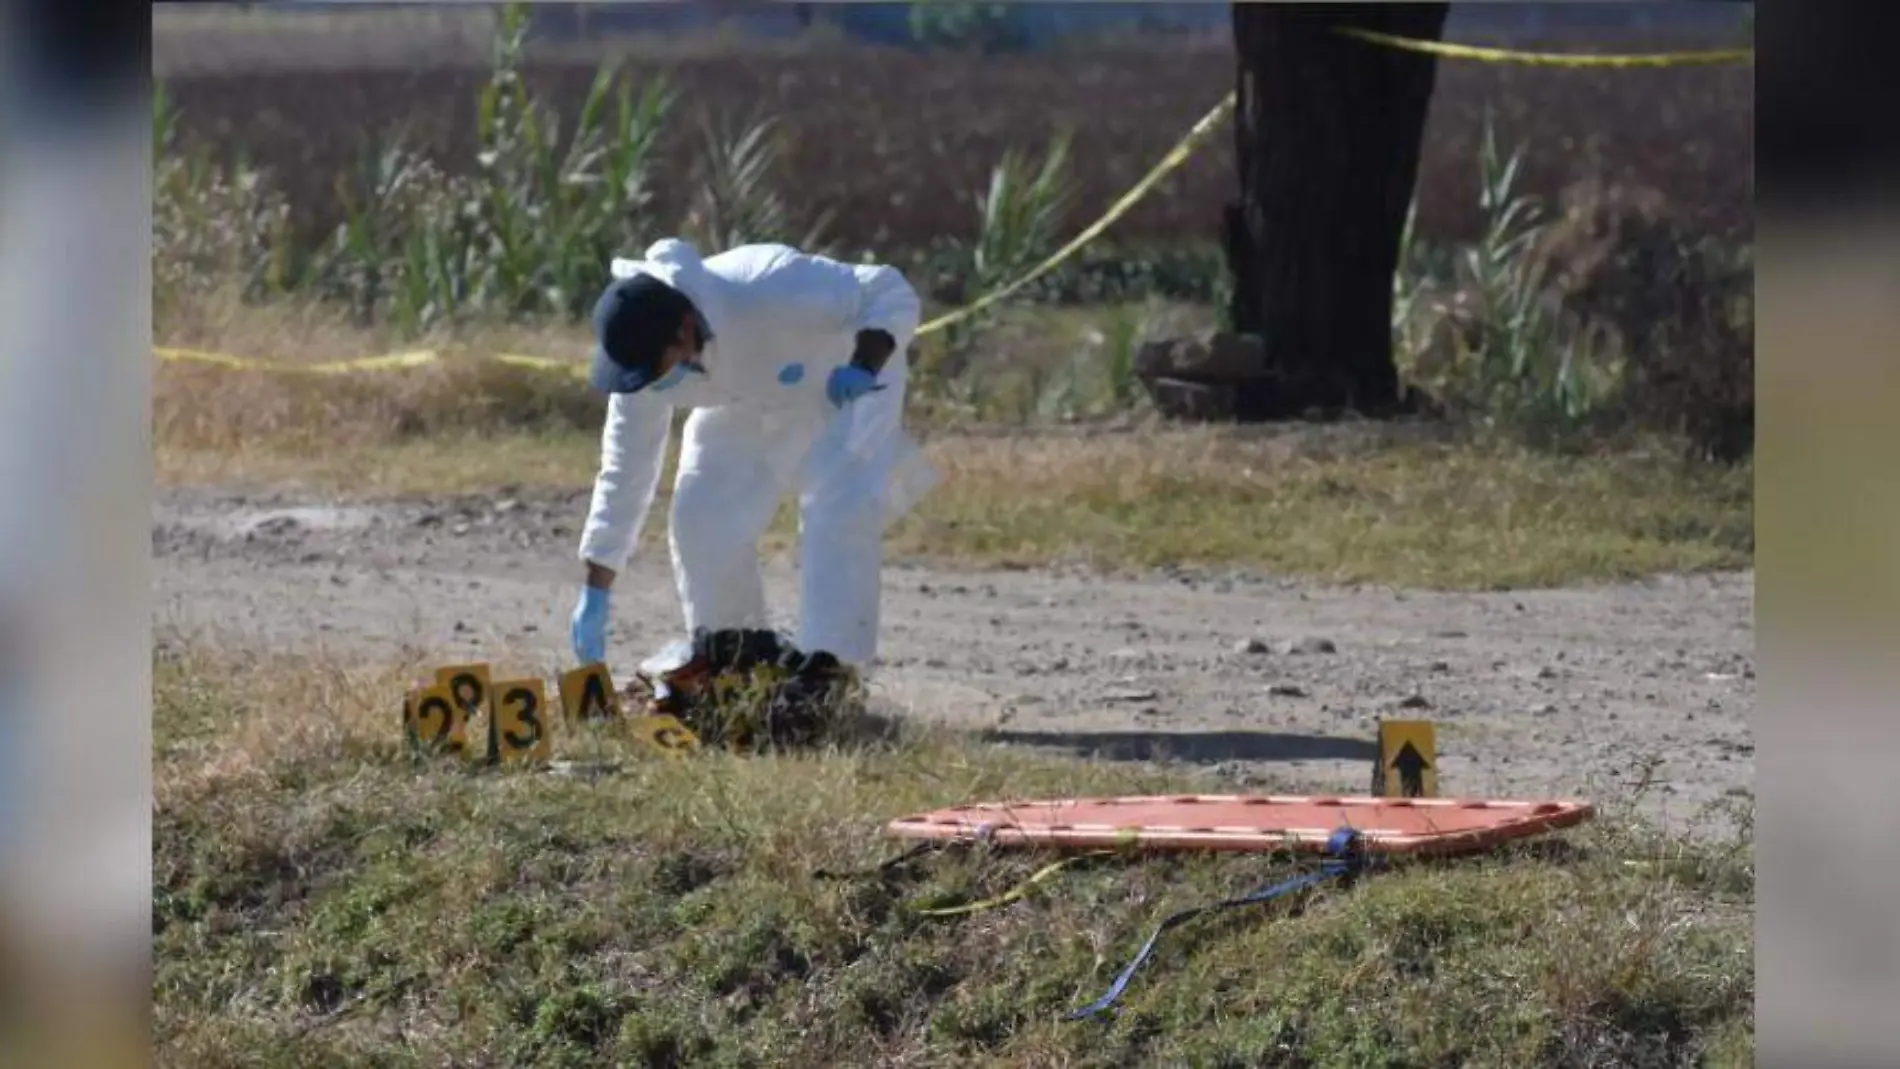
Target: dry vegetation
1407,504
1475,327
319,899
1627,305
896,144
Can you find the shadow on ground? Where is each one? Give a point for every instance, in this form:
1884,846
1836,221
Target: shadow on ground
1197,747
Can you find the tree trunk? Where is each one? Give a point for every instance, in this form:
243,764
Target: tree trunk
1327,130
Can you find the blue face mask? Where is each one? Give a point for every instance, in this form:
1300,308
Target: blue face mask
676,376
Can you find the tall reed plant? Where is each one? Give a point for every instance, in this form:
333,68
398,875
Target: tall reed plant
1483,330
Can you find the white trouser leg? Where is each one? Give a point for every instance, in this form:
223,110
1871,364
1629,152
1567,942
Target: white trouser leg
723,499
842,547
841,536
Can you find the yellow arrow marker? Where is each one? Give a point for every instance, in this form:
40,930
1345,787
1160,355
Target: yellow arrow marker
1408,760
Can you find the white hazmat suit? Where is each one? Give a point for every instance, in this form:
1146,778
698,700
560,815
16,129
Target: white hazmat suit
780,320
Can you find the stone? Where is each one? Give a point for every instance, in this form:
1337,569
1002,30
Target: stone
1310,645
1179,399
1209,358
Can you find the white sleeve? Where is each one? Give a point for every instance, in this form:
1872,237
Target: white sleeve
857,296
890,302
632,451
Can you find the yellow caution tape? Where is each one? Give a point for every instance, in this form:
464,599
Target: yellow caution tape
392,361
1175,157
389,362
1016,892
543,363
1549,59
201,357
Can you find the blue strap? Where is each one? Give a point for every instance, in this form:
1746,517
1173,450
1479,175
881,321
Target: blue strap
1343,859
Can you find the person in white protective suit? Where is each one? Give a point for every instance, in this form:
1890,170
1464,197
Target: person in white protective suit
794,367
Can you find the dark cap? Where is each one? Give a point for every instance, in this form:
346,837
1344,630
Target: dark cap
635,320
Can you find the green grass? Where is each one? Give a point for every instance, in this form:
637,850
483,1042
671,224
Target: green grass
1419,514
454,463
320,900
1370,503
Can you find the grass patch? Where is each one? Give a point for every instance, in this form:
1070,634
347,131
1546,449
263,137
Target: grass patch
1418,514
457,463
1415,514
1374,504
319,899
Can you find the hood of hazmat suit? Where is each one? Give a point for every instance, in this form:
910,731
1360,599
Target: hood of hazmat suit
780,321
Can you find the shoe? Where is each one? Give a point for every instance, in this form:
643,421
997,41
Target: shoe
689,666
689,679
819,691
740,651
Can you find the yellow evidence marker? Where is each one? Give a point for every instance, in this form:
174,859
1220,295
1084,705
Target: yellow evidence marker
470,685
587,694
432,720
665,734
520,725
1408,760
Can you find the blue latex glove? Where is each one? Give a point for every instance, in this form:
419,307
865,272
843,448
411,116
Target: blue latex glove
589,627
848,383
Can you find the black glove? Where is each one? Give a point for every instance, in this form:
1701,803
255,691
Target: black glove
874,348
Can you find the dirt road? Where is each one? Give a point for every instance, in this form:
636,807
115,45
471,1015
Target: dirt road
1587,692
